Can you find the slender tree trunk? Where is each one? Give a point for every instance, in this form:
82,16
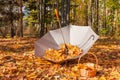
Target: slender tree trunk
21,19
74,10
86,13
43,11
91,13
97,16
104,14
39,12
52,11
68,12
112,23
12,31
65,12
3,31
97,12
39,15
116,25
62,12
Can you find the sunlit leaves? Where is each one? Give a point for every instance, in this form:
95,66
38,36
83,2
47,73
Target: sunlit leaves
17,61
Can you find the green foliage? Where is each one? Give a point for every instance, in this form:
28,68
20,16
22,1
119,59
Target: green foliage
104,31
113,4
32,18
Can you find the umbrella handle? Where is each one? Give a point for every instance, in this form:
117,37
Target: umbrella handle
57,14
91,37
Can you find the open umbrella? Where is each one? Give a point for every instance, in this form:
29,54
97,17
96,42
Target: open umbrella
81,36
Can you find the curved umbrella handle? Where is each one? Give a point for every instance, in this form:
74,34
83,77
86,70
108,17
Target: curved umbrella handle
91,37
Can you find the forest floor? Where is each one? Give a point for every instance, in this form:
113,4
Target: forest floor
17,61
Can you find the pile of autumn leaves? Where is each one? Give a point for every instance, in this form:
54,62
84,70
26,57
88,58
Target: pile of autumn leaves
65,52
24,65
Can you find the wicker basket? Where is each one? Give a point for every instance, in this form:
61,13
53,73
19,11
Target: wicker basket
91,70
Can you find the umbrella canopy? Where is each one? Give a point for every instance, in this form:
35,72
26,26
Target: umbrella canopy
81,36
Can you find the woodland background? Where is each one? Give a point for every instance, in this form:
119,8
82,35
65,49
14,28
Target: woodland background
36,17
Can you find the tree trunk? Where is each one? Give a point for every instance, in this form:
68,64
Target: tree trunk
86,13
21,19
39,11
94,17
116,25
91,13
65,10
39,15
74,11
111,32
97,16
68,12
62,12
43,11
12,31
3,31
104,14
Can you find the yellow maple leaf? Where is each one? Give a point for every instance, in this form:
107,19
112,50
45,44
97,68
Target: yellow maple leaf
102,78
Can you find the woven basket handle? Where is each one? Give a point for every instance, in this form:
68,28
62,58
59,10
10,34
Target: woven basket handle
96,59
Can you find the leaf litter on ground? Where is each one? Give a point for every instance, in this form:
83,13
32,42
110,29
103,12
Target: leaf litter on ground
17,62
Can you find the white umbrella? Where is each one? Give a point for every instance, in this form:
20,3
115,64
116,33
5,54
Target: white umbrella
81,36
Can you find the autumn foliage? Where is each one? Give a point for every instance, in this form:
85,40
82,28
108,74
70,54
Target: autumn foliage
66,51
17,62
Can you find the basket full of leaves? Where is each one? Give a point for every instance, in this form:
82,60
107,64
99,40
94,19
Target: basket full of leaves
86,70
